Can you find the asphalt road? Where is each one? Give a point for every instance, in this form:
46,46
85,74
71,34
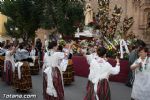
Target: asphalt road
75,91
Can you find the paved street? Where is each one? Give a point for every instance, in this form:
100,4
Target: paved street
76,91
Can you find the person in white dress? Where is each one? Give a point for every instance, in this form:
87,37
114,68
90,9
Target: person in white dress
141,85
100,70
52,47
9,64
55,62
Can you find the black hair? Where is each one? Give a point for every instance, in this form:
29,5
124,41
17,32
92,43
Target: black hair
21,45
141,43
143,48
9,46
60,48
1,44
52,44
101,51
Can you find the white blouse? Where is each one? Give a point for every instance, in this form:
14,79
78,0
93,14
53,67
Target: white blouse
9,57
141,85
47,57
90,57
100,69
51,61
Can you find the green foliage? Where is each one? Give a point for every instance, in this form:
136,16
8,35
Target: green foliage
12,30
111,53
28,15
24,15
64,15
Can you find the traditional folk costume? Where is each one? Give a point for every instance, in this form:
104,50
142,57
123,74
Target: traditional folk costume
53,83
45,65
22,76
34,65
2,58
98,84
68,75
141,85
2,51
9,67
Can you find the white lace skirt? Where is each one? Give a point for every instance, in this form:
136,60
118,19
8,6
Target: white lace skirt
141,86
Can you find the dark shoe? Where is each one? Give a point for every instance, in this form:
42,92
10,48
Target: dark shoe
129,85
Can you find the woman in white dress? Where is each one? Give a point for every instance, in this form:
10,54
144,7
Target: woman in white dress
52,82
141,85
52,47
9,64
100,70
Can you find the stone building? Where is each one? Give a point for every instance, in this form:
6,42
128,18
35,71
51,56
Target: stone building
3,35
138,9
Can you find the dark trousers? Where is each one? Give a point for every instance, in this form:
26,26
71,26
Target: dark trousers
131,77
40,57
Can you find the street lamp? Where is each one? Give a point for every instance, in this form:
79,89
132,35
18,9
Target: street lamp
11,29
60,36
14,29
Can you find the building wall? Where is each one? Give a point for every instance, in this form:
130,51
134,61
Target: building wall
138,9
3,36
3,19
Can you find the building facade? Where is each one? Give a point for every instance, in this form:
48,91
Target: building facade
3,19
3,35
138,9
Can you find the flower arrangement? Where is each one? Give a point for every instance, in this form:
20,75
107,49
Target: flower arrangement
62,42
84,43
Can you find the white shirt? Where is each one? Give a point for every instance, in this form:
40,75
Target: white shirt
53,60
21,54
101,69
33,52
47,57
9,57
91,57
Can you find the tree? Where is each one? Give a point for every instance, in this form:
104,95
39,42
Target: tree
23,17
64,15
28,15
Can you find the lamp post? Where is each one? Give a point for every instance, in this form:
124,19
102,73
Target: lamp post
14,29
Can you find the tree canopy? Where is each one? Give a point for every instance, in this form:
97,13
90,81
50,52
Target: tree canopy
23,17
63,15
26,16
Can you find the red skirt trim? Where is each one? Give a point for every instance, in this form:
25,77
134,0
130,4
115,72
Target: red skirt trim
8,75
57,82
103,91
